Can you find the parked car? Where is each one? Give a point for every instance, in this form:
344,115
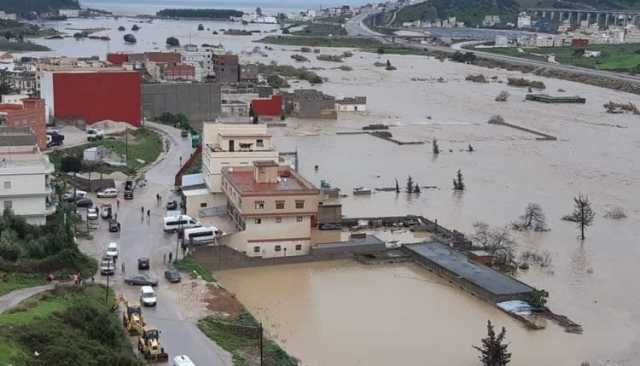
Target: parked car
94,134
54,139
106,211
112,250
172,205
182,360
129,186
172,276
74,195
84,203
92,213
107,193
140,280
184,133
114,226
143,263
107,268
148,296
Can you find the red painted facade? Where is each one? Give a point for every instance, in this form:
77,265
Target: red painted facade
579,43
30,114
268,107
98,96
117,58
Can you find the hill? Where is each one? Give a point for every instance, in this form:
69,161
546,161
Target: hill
473,11
23,7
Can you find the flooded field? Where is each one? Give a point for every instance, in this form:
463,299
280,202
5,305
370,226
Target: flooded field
343,313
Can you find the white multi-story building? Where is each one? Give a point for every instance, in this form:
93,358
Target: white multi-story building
7,16
524,21
69,13
200,59
25,176
229,144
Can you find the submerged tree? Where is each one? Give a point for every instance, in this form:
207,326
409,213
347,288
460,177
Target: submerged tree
409,185
416,188
397,187
583,214
470,148
458,182
493,351
496,241
435,147
532,219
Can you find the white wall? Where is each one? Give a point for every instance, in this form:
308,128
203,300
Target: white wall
46,93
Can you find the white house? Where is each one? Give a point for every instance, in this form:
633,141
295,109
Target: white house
355,104
25,176
7,16
524,21
69,13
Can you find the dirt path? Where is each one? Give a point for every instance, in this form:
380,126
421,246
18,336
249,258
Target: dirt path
13,298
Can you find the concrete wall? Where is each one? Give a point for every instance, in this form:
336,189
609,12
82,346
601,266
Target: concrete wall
199,101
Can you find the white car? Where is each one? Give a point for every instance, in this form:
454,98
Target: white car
183,360
92,213
69,196
94,134
107,193
148,296
112,250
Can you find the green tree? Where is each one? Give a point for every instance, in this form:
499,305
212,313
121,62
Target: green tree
539,298
71,164
493,351
583,214
173,42
458,182
409,185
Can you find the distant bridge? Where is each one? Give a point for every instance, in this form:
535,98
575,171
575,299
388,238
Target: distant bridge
600,17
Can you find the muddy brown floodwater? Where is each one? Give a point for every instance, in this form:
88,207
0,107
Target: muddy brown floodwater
343,313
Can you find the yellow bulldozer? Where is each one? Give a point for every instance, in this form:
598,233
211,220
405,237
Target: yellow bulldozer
149,345
132,319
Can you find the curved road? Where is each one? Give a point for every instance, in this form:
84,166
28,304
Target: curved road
177,311
13,298
356,27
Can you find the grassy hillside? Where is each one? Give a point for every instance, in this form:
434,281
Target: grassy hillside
473,11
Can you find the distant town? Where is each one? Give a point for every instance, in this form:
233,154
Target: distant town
342,185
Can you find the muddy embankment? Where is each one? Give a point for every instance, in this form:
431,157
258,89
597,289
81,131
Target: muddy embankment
601,81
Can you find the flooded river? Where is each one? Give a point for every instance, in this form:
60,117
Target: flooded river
343,313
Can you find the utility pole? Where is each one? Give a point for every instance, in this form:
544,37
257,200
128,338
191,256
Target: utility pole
106,294
126,146
178,234
260,341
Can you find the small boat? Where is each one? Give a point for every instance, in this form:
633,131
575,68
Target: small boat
361,191
129,38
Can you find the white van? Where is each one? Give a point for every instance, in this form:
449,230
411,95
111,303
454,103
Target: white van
174,223
148,296
200,235
183,360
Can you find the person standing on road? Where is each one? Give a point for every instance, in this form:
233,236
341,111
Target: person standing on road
170,256
180,161
118,204
164,258
122,267
142,210
149,214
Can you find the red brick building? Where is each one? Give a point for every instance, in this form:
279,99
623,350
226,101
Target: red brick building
180,72
117,58
93,95
163,57
579,43
268,107
29,114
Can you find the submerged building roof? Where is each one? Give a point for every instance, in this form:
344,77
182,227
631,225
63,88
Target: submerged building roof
461,266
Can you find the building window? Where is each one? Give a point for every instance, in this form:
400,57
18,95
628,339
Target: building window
299,204
299,219
280,205
258,221
8,205
203,204
259,143
7,185
298,246
278,219
259,205
278,248
256,249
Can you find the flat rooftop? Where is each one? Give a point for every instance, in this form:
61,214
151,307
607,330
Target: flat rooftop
289,182
460,265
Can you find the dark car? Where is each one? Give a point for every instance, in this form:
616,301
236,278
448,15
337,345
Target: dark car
114,226
84,202
172,276
172,205
143,263
140,280
184,133
54,139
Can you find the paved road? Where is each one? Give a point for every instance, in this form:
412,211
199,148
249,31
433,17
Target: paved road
356,27
176,312
13,298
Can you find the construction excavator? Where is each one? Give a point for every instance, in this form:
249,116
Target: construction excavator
149,345
132,319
